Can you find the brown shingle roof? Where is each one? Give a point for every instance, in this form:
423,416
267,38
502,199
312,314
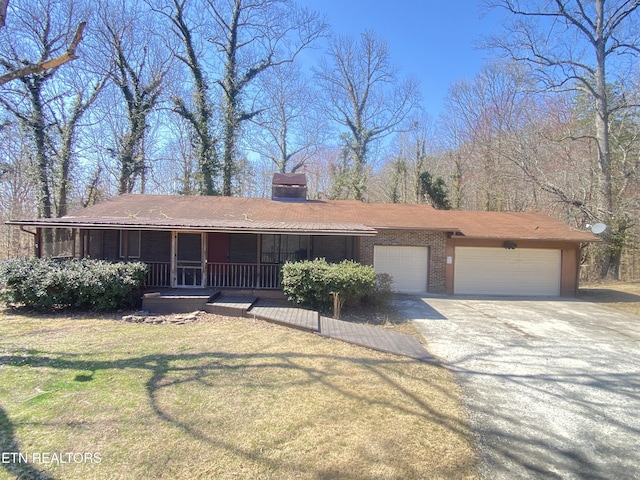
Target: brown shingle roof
517,226
289,179
327,216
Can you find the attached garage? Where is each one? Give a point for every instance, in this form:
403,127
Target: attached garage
501,271
408,265
424,249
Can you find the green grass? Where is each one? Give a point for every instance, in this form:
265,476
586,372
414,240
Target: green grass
221,398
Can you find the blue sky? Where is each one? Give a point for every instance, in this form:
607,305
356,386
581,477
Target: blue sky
430,39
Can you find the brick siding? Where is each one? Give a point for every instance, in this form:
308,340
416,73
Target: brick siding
436,241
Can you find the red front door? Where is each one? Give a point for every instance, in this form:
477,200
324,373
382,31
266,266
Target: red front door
218,248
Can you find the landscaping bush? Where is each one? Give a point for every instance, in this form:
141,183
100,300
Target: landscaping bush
383,291
304,282
46,284
312,282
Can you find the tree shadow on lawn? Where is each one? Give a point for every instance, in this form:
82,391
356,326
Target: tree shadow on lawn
166,371
607,295
12,459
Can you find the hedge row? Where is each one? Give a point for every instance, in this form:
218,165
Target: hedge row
46,284
312,282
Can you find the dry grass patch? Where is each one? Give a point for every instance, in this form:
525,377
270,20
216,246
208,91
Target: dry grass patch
221,398
624,296
385,316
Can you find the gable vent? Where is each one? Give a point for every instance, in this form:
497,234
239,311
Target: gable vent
289,187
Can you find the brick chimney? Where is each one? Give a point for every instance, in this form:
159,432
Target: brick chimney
289,187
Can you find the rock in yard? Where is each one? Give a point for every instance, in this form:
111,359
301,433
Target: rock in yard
146,317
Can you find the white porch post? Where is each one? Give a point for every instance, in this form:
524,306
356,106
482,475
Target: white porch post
204,240
174,259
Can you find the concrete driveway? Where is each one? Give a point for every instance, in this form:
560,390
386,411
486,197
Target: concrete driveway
552,386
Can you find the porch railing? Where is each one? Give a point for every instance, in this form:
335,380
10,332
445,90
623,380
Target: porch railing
222,275
243,275
159,274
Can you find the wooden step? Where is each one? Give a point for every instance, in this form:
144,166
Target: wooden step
177,300
231,305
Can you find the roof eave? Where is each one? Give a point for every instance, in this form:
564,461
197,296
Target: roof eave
320,230
425,229
532,239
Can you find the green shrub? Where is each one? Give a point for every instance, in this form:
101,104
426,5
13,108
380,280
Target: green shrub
383,291
312,282
305,282
46,284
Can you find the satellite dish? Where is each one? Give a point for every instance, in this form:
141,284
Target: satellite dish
597,228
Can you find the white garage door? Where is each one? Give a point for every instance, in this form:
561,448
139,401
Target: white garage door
407,265
499,271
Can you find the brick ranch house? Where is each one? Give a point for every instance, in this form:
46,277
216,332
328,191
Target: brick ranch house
233,242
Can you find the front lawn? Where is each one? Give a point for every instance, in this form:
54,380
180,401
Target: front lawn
623,296
222,398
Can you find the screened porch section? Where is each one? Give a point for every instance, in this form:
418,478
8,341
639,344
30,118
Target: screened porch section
221,275
214,259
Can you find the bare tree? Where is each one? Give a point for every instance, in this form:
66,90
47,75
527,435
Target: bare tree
138,68
39,67
253,36
364,95
67,126
16,189
488,112
399,179
454,143
179,160
320,171
45,63
575,44
200,114
4,4
41,100
412,154
289,128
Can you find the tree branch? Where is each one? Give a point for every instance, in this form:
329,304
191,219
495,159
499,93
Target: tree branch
3,11
40,67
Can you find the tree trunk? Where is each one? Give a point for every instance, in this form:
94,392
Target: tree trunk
611,266
200,120
231,93
45,205
229,149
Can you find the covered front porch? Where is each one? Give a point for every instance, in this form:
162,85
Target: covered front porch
200,259
218,275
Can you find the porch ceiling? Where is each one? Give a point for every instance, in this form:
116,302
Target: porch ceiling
218,225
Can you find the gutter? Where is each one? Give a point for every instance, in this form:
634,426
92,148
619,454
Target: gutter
355,230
